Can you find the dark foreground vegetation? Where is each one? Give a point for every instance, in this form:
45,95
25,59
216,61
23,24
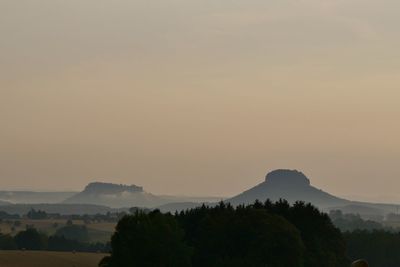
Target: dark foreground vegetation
262,234
368,239
380,247
69,238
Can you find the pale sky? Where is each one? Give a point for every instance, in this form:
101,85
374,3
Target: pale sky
200,97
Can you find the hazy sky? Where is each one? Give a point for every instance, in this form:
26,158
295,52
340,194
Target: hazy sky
200,97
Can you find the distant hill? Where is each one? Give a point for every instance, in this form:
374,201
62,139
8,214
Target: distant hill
123,196
98,197
98,188
291,185
115,196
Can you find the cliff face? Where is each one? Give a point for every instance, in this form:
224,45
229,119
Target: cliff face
291,185
109,188
286,178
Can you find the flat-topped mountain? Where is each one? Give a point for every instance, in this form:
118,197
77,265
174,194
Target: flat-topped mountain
115,196
109,188
291,185
122,196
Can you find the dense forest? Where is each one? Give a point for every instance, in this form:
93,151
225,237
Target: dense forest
261,234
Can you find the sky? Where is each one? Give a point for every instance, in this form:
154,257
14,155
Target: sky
200,97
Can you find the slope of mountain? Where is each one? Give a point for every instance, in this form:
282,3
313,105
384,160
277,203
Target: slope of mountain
115,196
291,185
294,186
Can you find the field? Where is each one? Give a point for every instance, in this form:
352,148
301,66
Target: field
98,231
48,259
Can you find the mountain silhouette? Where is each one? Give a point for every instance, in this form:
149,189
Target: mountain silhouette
123,196
291,185
115,196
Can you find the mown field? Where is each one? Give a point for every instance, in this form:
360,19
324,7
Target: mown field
49,259
98,231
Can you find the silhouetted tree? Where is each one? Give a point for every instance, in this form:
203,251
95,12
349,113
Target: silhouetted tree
153,239
7,242
31,239
36,214
323,241
245,236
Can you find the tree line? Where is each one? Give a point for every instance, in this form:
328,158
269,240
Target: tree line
262,234
34,214
68,238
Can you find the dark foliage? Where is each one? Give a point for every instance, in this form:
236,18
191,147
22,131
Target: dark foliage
36,214
246,236
262,234
6,216
31,239
7,242
381,248
323,241
74,232
152,239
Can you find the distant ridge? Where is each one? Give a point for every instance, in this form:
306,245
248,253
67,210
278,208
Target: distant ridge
291,185
115,196
125,196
